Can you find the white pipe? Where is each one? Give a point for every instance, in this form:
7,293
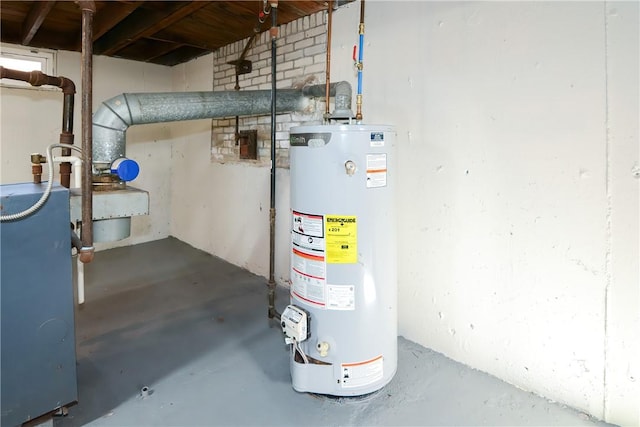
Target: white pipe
80,274
77,168
77,172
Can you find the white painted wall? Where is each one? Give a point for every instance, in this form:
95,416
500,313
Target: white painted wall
221,208
622,369
32,119
518,232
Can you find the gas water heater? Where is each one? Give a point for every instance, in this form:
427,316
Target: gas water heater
342,321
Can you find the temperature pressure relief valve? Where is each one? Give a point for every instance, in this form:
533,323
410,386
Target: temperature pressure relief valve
295,324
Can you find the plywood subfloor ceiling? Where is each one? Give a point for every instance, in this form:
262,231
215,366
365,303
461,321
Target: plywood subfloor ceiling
160,32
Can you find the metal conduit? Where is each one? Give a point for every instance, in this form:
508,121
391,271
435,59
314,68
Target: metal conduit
272,312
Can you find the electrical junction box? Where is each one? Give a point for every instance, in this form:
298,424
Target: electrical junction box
295,324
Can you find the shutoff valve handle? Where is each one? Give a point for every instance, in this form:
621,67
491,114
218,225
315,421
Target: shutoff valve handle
126,169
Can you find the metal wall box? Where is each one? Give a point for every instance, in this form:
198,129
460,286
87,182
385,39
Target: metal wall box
38,330
248,141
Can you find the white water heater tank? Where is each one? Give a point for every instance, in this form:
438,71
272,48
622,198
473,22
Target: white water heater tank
343,257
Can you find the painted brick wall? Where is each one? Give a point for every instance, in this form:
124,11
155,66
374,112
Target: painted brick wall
301,59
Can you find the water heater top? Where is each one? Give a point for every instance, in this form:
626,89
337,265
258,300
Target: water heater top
342,128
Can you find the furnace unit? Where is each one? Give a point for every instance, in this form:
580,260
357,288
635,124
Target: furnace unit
38,329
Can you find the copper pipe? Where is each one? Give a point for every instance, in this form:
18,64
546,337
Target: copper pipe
328,78
38,78
88,9
36,167
360,65
66,137
36,170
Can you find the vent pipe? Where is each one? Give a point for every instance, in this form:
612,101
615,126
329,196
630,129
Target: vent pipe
114,116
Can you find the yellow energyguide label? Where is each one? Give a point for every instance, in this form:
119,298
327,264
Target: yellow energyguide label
341,233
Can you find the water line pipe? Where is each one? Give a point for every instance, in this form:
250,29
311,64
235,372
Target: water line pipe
76,242
273,313
359,64
328,64
43,199
66,137
80,278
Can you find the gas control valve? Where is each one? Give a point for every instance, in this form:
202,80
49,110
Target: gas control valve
295,324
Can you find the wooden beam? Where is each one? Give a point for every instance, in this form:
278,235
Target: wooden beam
179,56
39,10
143,23
105,21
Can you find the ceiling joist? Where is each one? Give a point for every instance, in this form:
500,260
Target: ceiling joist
158,32
38,12
153,21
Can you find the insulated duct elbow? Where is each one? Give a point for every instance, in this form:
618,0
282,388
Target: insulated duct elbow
342,98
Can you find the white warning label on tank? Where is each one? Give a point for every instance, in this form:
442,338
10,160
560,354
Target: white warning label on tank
308,224
308,277
376,170
308,261
341,297
362,373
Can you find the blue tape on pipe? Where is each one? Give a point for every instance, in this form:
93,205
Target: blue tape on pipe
126,169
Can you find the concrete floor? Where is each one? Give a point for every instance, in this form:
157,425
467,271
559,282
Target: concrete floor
193,329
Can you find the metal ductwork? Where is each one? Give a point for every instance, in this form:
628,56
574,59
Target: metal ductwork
114,116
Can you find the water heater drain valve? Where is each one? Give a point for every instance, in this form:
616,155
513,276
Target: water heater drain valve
295,324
